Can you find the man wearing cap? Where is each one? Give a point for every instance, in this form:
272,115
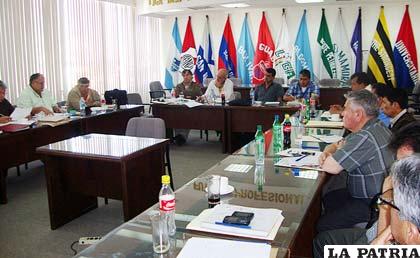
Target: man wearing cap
82,90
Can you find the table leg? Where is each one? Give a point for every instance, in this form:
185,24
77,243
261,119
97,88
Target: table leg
3,186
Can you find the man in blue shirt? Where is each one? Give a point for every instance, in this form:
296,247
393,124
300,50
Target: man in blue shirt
303,88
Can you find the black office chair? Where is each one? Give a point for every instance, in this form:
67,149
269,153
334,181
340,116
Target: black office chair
414,100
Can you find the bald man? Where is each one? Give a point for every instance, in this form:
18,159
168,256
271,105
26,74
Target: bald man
220,85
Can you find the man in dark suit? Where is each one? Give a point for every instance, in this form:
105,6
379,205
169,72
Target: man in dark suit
394,105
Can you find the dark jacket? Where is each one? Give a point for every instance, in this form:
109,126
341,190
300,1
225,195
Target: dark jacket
405,119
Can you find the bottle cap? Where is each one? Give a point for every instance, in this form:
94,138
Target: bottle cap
259,127
286,116
276,117
166,180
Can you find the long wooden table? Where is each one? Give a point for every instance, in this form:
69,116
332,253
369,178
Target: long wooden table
19,147
79,169
226,119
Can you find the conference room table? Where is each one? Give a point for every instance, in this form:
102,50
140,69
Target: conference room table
231,121
19,147
286,189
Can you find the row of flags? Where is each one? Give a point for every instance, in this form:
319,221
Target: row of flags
339,56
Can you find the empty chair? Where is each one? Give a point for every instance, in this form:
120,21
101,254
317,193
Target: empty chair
156,90
236,82
134,99
329,82
279,81
153,128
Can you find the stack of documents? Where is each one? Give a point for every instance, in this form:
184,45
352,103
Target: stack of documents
239,168
324,124
264,225
54,120
303,159
322,138
219,248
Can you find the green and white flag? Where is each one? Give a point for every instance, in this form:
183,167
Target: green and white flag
327,68
342,51
283,56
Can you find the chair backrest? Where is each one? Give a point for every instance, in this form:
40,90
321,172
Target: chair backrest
134,98
156,90
279,81
119,95
146,127
329,82
416,91
236,81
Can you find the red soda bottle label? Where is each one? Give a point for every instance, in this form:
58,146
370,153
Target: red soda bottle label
167,205
287,128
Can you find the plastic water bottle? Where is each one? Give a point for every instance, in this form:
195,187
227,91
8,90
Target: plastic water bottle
287,130
167,204
252,95
277,135
307,111
259,146
312,102
82,106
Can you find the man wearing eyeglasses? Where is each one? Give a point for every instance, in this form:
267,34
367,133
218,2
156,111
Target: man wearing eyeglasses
404,143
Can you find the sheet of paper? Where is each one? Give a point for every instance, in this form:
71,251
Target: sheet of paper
220,248
324,124
20,113
322,138
239,168
303,161
307,174
192,104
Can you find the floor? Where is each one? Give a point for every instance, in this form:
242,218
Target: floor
24,224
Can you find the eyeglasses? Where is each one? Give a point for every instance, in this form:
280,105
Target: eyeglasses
383,200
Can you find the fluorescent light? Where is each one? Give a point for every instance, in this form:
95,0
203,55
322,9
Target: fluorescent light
173,10
308,1
235,5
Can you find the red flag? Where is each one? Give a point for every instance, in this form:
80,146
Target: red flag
227,51
263,52
405,55
189,53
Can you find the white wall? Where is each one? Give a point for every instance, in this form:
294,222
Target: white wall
370,13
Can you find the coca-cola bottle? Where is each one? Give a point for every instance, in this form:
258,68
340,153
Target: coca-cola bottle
287,129
167,204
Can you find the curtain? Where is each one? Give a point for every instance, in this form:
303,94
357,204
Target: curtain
69,39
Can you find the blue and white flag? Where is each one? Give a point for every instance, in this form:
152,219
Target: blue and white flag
356,43
205,62
342,51
303,48
245,54
172,73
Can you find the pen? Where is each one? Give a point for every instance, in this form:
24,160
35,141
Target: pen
232,225
299,159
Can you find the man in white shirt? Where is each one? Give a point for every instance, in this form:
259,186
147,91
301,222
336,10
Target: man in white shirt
35,96
220,85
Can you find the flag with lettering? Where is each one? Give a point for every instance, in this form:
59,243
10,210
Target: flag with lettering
263,52
342,51
356,43
245,54
174,58
405,55
303,48
381,59
189,53
205,63
327,68
284,54
227,51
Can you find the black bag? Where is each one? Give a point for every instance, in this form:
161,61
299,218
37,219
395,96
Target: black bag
119,95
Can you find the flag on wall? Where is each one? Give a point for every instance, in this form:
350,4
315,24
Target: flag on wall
263,52
227,51
245,54
342,52
189,53
356,43
381,59
405,54
283,55
303,48
174,58
327,68
205,62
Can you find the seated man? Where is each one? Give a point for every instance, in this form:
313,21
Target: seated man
303,88
358,81
395,105
82,90
6,109
381,90
188,88
35,96
363,154
404,143
220,85
269,90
